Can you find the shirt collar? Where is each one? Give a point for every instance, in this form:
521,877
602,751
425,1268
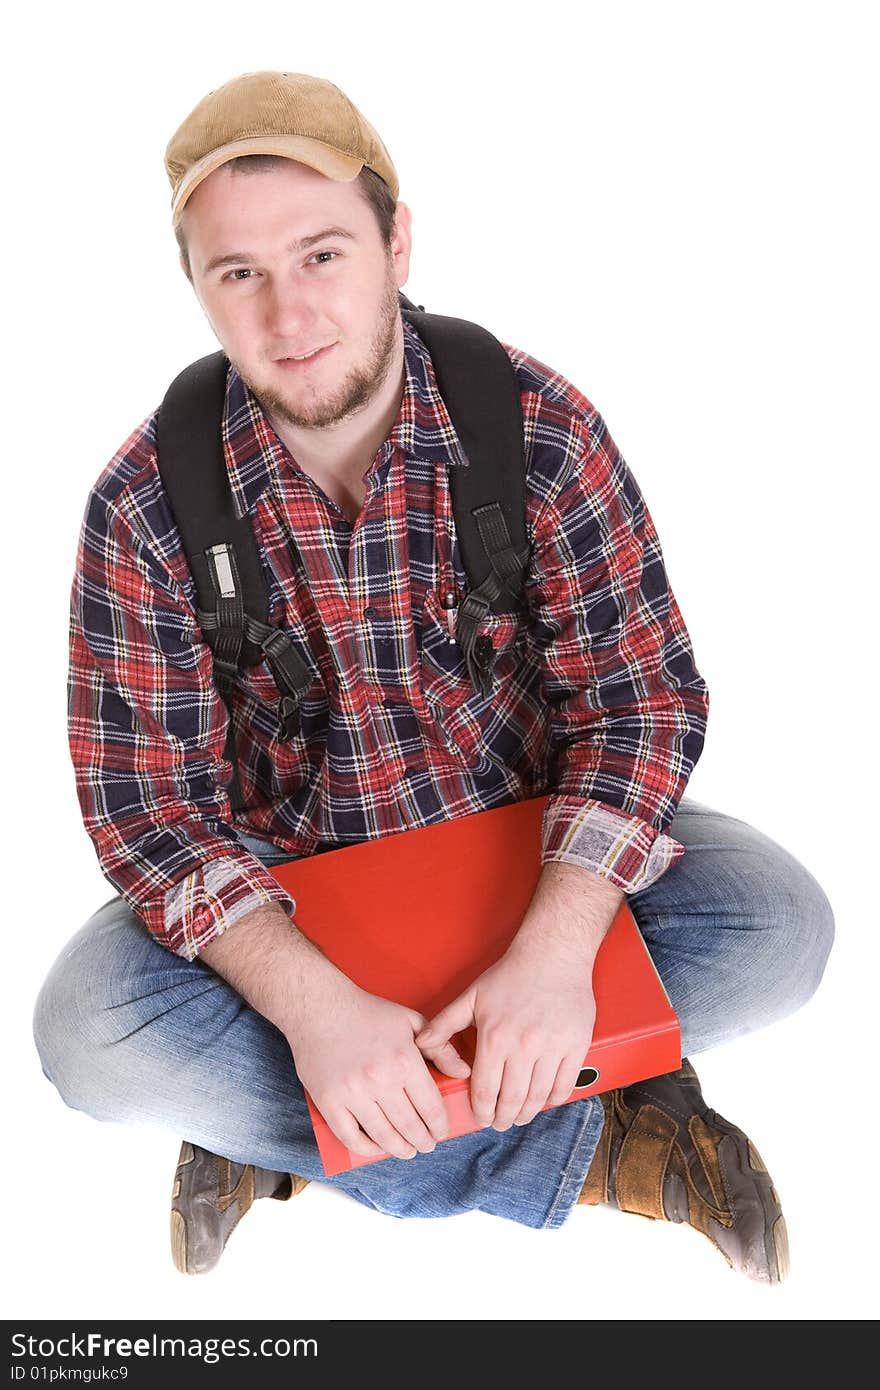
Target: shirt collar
255,455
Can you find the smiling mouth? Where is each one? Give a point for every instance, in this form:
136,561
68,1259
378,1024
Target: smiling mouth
304,361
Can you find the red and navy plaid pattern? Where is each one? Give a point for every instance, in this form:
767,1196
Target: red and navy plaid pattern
596,697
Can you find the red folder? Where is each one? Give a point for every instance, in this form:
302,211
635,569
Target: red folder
415,917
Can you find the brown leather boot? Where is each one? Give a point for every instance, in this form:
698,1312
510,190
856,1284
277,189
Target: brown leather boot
665,1155
210,1196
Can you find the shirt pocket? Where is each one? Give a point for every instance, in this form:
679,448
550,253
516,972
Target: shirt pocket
444,679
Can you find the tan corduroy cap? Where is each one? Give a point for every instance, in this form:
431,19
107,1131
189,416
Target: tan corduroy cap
286,113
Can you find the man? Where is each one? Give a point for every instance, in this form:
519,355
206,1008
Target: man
192,999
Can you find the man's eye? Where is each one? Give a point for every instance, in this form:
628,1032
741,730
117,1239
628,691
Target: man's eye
246,270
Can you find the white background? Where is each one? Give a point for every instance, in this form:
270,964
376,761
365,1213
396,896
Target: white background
675,206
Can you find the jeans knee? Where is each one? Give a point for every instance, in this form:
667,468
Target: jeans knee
818,930
52,1032
805,935
65,1023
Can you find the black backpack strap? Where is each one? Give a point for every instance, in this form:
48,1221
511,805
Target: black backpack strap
221,548
478,384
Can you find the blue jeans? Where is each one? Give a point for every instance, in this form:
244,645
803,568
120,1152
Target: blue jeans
738,929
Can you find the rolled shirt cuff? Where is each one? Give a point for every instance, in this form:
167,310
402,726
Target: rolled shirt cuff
622,848
214,897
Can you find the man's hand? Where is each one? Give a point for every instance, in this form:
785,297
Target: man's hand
353,1051
355,1055
534,1021
534,1009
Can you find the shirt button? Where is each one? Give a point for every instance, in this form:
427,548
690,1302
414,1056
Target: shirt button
371,612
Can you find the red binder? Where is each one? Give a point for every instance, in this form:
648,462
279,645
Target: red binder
415,917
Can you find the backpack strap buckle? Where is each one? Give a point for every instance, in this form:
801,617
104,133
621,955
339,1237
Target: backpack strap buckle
224,627
505,565
292,677
228,627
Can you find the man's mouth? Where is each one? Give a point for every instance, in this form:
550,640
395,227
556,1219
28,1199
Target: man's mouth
304,360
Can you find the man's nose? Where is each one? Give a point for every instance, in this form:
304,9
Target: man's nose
290,310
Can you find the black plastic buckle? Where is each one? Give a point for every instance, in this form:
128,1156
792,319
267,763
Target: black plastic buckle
289,716
483,665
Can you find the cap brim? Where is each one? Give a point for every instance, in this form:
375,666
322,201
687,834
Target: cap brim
318,155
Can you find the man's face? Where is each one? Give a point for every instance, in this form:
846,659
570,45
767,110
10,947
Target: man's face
292,286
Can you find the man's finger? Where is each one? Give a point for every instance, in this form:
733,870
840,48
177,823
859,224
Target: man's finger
566,1077
513,1090
485,1082
347,1129
379,1128
456,1016
446,1059
544,1076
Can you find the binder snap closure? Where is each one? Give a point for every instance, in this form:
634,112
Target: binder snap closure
587,1076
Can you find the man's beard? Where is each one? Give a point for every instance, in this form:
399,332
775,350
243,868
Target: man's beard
359,387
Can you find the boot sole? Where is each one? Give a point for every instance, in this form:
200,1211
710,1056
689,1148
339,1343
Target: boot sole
178,1225
178,1242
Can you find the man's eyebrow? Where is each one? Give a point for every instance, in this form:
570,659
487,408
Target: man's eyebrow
244,258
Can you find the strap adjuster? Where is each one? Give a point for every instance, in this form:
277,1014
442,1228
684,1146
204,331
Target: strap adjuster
289,716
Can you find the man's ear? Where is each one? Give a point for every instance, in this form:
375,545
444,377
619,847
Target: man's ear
401,243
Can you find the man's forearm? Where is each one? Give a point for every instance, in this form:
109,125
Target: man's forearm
278,970
271,964
571,908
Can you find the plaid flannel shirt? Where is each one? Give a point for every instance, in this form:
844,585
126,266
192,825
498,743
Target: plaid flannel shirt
596,697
